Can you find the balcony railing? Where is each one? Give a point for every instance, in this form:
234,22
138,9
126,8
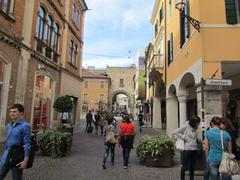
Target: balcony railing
47,51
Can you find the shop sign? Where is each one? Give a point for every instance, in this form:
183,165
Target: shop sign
218,82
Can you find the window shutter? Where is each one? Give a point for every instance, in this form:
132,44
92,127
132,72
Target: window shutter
169,52
171,47
231,11
187,24
182,29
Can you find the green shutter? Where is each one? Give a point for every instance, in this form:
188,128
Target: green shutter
231,11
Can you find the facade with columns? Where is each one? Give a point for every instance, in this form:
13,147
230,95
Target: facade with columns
194,59
40,57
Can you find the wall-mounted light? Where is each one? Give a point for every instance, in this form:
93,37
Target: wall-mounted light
180,6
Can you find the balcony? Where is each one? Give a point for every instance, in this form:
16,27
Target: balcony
47,51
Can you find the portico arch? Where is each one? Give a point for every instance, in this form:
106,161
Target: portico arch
171,110
187,98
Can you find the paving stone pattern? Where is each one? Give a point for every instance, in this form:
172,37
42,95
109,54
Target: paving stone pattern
85,163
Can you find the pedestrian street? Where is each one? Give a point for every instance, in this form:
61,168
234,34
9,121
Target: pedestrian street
85,162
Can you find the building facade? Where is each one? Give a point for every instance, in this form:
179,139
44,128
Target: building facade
95,92
201,75
122,82
37,56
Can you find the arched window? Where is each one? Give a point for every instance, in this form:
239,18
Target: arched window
73,53
48,30
55,36
40,23
7,6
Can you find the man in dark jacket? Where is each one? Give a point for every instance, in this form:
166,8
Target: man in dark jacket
89,119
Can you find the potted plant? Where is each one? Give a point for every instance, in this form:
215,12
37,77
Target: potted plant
55,143
155,150
64,106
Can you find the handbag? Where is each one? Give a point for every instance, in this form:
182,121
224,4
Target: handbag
180,142
16,154
229,165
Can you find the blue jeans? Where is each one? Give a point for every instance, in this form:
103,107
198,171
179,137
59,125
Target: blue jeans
16,173
126,154
214,172
111,147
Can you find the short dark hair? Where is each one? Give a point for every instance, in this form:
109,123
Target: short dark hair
19,107
216,121
194,122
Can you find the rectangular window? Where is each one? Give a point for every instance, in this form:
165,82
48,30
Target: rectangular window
86,84
161,14
102,84
121,83
101,97
170,49
184,25
73,53
232,11
85,97
156,29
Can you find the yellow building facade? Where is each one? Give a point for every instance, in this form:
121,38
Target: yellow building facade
95,92
201,73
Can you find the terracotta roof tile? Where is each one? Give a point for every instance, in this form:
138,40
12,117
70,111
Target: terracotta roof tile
88,74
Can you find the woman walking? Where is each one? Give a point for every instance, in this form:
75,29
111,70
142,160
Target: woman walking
189,134
109,145
127,133
213,148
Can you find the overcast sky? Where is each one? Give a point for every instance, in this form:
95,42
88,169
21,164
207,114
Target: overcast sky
115,30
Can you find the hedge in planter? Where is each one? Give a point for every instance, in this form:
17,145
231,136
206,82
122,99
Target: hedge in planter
56,143
155,150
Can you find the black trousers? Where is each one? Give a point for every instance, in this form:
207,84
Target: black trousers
188,160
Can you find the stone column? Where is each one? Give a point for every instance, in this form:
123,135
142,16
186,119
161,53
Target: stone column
157,113
172,115
182,109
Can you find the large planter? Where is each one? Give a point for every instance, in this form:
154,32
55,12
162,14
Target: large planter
155,150
55,143
163,160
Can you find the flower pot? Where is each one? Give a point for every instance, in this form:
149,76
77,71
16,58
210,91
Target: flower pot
163,160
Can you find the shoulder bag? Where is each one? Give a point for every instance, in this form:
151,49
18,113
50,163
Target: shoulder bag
229,165
180,142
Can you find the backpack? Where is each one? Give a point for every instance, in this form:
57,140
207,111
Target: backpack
110,138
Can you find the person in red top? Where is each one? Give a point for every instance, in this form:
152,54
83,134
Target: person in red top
127,133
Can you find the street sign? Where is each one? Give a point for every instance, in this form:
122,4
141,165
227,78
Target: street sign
218,82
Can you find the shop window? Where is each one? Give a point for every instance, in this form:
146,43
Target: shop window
232,11
42,101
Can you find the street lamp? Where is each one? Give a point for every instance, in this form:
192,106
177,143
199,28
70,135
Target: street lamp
181,6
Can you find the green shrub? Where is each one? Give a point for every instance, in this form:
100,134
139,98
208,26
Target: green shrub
63,104
55,143
154,145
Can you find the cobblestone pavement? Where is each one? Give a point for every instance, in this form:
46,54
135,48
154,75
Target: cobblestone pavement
85,163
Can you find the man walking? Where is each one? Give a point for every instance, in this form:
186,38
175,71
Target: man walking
18,132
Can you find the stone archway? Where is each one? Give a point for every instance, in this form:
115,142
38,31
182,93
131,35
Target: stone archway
113,99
